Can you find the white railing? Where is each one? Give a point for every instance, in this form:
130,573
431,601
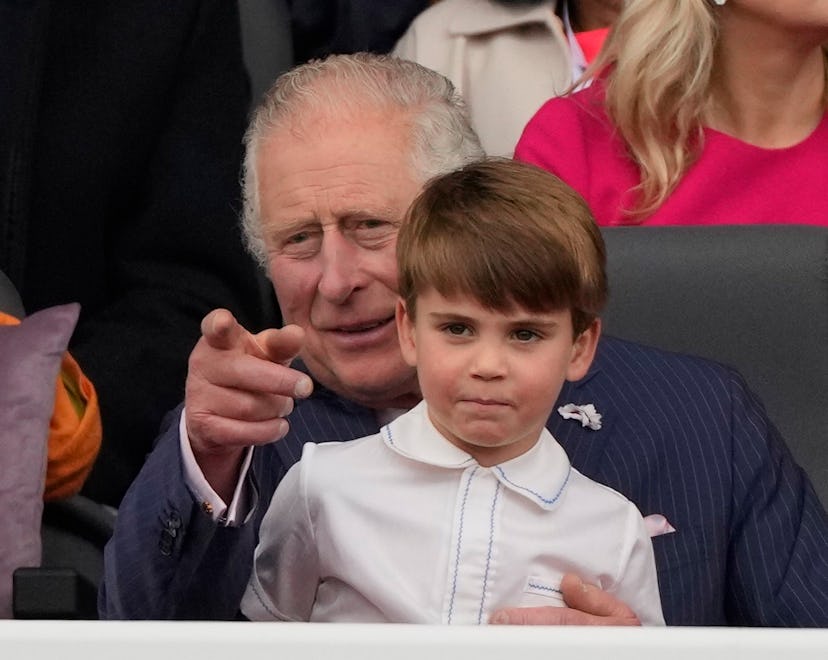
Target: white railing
98,640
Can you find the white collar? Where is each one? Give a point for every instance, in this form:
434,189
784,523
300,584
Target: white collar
491,17
540,475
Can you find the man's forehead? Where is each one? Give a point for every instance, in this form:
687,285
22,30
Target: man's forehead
334,180
324,142
311,121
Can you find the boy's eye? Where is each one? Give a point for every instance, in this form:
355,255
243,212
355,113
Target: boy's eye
525,335
456,329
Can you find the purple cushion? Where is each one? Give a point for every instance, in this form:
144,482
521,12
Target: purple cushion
30,357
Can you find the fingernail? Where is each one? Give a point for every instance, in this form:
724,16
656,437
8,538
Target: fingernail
303,388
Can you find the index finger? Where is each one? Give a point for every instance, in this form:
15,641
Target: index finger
279,345
221,330
588,598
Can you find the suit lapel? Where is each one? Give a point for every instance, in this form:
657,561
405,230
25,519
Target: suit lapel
584,446
324,417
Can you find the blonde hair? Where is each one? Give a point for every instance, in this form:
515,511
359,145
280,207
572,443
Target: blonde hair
442,138
505,233
657,66
658,61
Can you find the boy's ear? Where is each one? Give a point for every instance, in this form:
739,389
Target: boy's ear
405,331
583,351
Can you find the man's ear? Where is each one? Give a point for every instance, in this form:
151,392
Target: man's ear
405,331
583,351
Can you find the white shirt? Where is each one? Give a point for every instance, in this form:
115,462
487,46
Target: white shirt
243,502
403,526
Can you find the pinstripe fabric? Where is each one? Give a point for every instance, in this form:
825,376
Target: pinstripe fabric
681,436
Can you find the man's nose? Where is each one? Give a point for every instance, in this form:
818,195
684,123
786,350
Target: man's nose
341,274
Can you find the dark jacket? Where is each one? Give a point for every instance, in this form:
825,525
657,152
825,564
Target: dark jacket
120,148
680,437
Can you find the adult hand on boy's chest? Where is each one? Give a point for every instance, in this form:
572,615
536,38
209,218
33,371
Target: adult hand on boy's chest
587,606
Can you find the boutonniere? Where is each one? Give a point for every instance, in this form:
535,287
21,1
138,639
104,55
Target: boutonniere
586,414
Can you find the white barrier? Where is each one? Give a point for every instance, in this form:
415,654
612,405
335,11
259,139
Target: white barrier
98,640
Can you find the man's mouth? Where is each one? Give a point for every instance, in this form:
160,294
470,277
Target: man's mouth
363,327
364,335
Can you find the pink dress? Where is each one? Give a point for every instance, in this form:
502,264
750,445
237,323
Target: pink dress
731,183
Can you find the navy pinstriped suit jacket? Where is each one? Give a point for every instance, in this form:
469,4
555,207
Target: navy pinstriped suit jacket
681,436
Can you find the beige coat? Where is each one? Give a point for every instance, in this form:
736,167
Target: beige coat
505,61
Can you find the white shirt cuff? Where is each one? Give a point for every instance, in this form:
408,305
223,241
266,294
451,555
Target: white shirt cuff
240,506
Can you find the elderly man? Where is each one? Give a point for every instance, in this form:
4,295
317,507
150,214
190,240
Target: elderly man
334,156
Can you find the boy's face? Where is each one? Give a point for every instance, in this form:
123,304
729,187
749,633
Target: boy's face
491,379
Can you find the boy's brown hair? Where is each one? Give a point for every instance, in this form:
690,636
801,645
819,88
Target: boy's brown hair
505,233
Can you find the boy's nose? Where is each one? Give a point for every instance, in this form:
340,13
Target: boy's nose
489,361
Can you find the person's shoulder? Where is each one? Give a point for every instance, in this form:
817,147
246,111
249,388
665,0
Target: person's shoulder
440,14
599,495
565,131
463,16
609,509
583,108
431,26
338,469
632,366
328,458
434,27
467,18
615,351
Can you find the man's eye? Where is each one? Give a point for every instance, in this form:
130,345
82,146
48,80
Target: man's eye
301,237
372,233
301,245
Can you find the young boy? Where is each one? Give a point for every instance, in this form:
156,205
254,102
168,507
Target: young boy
466,504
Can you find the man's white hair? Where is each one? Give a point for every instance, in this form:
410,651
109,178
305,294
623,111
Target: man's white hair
442,138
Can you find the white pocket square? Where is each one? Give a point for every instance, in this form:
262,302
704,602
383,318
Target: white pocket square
657,525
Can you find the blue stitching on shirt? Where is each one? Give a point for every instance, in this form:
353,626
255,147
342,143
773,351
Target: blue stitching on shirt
459,541
262,602
532,492
543,587
489,555
387,430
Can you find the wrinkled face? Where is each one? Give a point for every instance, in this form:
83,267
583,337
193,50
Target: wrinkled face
332,197
491,379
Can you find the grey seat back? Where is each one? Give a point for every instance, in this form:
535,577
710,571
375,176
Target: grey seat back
754,297
10,302
266,42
